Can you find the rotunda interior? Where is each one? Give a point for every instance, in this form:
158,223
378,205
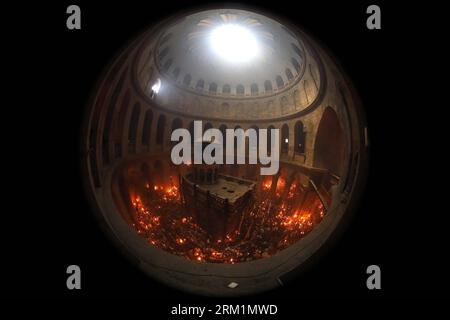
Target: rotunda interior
223,228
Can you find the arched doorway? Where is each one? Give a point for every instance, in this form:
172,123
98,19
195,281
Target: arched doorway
160,130
329,145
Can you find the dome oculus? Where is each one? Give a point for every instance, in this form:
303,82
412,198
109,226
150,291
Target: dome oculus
234,43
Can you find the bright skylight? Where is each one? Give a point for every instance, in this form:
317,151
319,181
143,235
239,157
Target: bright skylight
234,43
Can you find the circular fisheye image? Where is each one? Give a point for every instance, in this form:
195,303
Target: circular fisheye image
225,149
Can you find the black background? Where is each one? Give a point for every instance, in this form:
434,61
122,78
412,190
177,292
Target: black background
49,225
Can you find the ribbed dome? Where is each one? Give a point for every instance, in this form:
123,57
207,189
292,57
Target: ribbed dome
197,59
186,53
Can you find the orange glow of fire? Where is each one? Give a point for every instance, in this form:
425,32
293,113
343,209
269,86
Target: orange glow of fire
269,223
298,220
181,241
267,183
292,190
280,186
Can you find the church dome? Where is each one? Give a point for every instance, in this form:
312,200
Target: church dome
257,54
229,64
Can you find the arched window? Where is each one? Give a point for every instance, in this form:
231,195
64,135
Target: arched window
213,87
254,89
280,82
160,129
295,64
299,138
200,84
147,128
289,74
132,129
284,138
176,73
187,80
297,50
167,65
268,85
240,89
226,89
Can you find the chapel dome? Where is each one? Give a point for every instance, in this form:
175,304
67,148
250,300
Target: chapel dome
229,63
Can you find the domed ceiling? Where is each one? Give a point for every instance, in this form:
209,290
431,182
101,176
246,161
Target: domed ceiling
229,64
231,53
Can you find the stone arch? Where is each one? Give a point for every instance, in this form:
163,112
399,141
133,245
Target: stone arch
329,145
160,127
